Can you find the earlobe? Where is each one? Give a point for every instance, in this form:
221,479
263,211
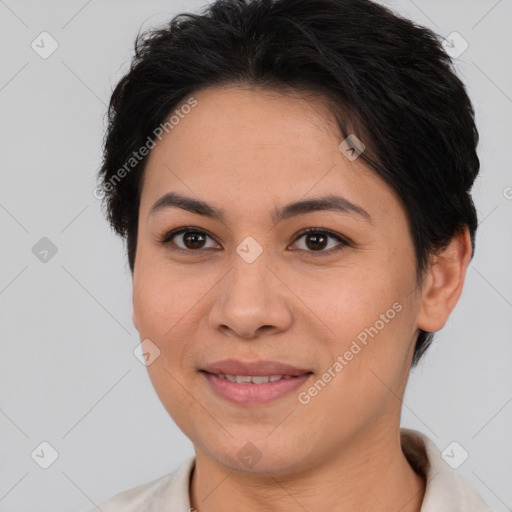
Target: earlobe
442,287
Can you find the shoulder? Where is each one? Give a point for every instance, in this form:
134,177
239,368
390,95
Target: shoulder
168,492
445,490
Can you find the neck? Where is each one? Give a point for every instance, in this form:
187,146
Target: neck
371,474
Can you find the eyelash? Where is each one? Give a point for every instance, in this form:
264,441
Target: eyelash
343,242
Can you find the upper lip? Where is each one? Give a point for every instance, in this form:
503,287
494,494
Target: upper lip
255,368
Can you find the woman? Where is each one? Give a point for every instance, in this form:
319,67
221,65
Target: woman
293,179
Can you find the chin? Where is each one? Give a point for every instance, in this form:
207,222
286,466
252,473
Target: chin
256,454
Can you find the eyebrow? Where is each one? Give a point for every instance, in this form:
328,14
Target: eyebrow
326,203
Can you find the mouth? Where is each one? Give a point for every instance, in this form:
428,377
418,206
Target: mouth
251,384
253,379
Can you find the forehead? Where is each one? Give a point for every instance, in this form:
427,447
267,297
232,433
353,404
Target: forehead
245,145
237,120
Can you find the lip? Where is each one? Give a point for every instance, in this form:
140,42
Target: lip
255,368
254,394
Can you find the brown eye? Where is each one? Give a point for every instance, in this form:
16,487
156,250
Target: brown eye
316,240
187,239
193,240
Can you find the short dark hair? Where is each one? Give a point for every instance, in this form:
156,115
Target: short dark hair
388,80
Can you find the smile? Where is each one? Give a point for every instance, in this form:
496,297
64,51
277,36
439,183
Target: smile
254,379
253,390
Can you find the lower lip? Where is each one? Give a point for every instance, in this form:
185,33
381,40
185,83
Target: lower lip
254,394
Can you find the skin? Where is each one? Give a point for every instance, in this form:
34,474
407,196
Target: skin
247,151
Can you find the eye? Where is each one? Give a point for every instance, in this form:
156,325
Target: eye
192,239
316,240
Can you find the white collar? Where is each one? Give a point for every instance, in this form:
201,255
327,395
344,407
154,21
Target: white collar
445,490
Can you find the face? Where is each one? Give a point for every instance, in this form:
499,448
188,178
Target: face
239,280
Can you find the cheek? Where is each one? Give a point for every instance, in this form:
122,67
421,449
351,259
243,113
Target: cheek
369,360
371,314
358,298
162,308
163,304
161,295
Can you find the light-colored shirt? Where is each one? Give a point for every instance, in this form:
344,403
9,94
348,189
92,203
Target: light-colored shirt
445,491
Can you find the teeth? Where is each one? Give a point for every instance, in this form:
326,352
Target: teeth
260,379
254,379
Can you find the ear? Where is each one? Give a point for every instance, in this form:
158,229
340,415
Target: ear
442,287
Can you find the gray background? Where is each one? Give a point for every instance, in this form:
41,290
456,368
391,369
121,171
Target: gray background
68,375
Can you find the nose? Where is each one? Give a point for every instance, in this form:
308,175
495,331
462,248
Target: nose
251,299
